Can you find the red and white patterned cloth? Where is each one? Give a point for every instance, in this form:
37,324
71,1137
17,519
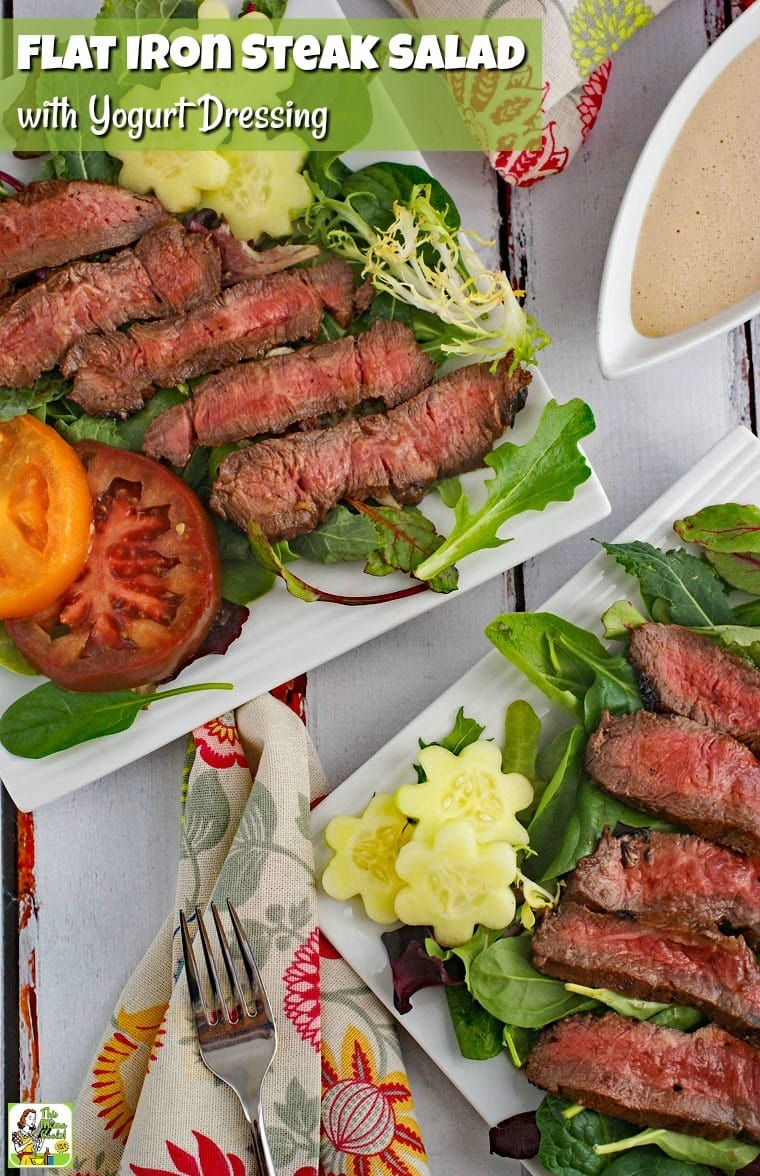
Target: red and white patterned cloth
336,1101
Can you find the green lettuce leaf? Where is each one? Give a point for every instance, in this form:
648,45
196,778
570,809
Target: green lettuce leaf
548,468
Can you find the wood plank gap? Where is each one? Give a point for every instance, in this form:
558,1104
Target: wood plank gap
515,266
753,376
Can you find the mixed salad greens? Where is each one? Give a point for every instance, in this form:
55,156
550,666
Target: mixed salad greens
400,228
497,1000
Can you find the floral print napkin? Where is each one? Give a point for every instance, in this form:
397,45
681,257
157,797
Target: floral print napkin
336,1101
579,38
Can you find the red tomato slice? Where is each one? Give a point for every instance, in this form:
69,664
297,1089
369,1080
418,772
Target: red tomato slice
150,587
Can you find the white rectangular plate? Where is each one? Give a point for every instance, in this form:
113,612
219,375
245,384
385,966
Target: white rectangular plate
729,472
284,636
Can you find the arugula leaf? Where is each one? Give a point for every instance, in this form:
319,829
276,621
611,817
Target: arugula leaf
450,491
727,1154
128,434
343,536
407,538
729,535
49,719
506,984
548,468
692,593
45,390
10,657
522,728
568,664
464,732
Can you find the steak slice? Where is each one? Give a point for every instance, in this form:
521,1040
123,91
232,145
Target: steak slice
57,220
114,373
288,484
680,770
717,974
168,270
684,673
671,880
705,1083
269,395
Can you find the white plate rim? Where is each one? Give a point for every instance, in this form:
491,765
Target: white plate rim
621,349
727,469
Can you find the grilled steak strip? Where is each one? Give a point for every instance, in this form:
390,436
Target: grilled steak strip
686,674
288,484
705,1083
114,373
671,880
167,271
55,221
269,395
678,769
717,974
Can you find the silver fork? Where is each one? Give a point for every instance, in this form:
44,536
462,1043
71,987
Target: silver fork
237,1041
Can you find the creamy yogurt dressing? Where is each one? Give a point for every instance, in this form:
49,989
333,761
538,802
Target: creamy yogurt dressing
699,248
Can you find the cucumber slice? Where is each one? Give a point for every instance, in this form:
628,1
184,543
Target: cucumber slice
263,192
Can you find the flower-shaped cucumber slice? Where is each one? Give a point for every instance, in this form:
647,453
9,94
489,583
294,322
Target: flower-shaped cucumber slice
456,882
469,786
364,861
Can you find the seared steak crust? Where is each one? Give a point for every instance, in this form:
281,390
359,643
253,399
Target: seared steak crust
717,974
288,484
168,270
57,220
680,770
705,1083
686,674
114,373
671,880
269,395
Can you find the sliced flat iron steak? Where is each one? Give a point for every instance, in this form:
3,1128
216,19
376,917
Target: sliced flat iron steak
705,1083
288,484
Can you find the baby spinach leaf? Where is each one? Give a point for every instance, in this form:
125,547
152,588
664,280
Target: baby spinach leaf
464,732
548,468
729,535
407,538
47,389
478,1033
567,1144
244,577
10,657
692,593
627,1006
49,719
727,1154
84,165
343,536
522,729
466,952
650,1162
449,491
679,1017
570,665
518,1044
504,981
128,434
748,613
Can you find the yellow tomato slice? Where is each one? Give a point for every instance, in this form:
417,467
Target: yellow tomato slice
45,516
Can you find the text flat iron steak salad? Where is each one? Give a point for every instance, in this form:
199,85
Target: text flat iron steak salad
591,904
293,388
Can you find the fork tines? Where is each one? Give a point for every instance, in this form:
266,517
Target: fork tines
257,1007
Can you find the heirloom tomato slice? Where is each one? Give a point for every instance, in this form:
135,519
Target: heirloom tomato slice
45,516
150,587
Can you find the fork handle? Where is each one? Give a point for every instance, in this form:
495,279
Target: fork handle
264,1164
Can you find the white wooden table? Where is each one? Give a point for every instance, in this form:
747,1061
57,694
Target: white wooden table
106,856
